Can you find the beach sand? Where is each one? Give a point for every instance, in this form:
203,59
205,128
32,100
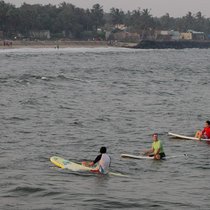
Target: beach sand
53,44
62,44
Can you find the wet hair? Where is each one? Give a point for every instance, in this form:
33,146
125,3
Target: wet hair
103,150
208,122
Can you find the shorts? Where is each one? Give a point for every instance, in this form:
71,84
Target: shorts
205,136
99,170
102,170
162,155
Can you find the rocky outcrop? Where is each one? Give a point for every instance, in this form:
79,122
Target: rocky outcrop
181,44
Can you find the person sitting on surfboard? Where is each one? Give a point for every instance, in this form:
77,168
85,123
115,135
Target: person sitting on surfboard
205,133
157,148
103,161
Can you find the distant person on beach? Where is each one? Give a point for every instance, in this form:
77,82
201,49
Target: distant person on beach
7,43
205,133
103,161
156,150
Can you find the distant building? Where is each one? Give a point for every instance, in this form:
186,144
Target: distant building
192,35
167,35
44,34
121,27
126,37
175,35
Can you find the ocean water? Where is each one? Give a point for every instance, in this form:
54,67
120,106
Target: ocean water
70,102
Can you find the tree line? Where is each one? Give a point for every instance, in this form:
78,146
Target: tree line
67,20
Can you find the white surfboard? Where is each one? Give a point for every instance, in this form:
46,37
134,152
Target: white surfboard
186,137
150,158
136,156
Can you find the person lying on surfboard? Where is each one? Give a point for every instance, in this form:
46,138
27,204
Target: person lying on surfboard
156,149
103,161
205,133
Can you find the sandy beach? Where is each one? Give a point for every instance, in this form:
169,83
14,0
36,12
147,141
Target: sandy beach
62,44
52,44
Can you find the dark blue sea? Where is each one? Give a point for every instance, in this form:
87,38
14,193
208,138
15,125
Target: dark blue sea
70,102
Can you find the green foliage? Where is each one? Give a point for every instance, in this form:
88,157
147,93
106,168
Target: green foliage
87,35
69,21
97,16
117,16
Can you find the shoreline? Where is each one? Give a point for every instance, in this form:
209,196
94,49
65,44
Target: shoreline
17,44
53,44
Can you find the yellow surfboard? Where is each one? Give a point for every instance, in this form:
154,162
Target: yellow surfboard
67,164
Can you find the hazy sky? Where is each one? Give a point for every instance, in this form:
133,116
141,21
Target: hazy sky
175,8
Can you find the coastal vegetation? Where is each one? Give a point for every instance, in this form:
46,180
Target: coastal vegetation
68,21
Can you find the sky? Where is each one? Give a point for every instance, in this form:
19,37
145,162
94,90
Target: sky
176,8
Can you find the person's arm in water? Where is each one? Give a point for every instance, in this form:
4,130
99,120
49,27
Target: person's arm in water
96,160
157,154
158,151
147,152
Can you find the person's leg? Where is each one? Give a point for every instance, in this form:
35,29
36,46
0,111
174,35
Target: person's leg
157,157
198,134
95,171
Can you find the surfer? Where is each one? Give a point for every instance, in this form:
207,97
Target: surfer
156,150
103,161
205,133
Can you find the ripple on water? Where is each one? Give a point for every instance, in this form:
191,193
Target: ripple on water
70,102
